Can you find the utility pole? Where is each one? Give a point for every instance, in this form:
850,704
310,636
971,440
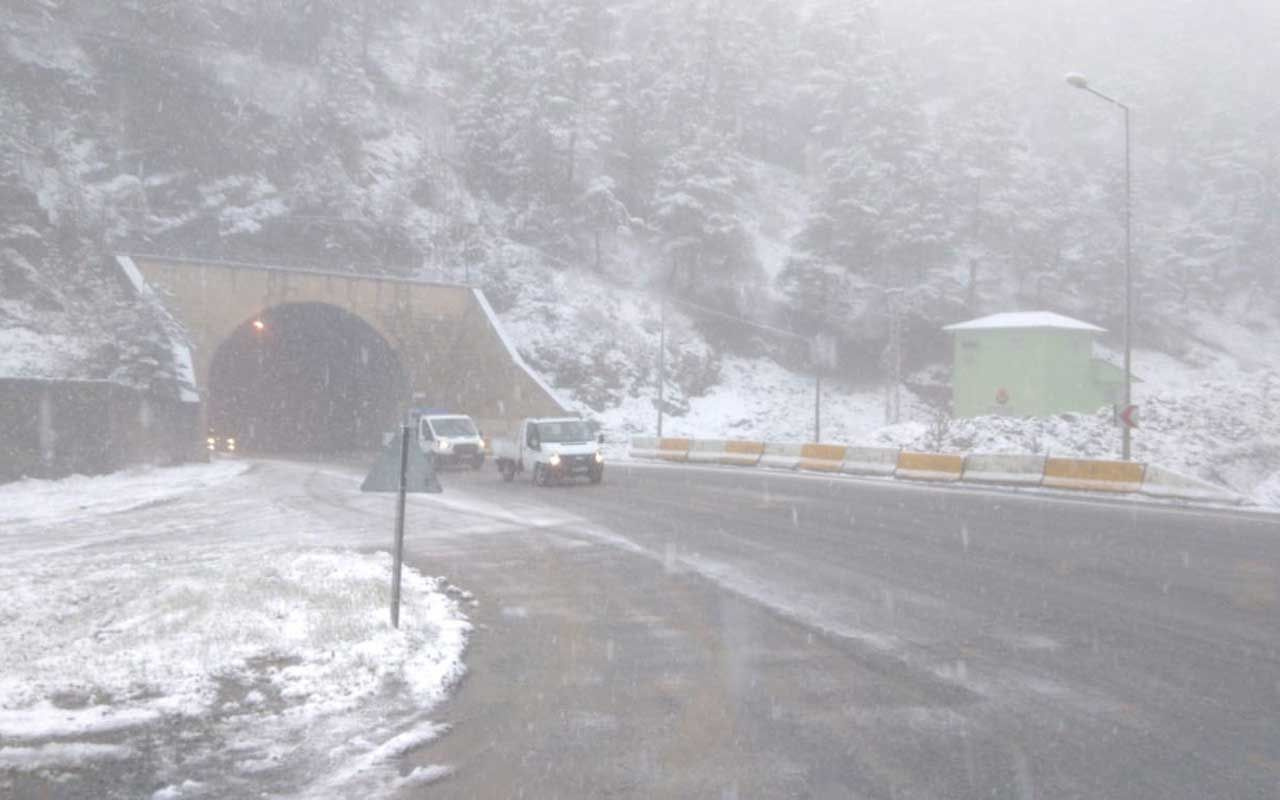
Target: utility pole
662,342
662,359
817,407
893,396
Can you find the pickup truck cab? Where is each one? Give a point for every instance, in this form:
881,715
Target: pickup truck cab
552,449
451,439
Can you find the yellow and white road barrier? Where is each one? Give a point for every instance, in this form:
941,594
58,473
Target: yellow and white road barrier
870,460
1096,476
1011,469
674,449
742,454
822,457
725,451
781,456
929,466
1018,470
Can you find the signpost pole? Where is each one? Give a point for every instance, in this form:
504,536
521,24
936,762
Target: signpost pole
817,408
398,556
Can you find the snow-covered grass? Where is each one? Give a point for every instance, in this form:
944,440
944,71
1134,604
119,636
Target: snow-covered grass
257,653
758,399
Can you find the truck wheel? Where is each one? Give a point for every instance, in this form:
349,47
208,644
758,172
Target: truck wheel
597,475
508,471
477,462
539,475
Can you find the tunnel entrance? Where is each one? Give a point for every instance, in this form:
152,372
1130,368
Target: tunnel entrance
305,378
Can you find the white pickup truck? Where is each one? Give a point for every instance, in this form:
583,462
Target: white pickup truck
552,449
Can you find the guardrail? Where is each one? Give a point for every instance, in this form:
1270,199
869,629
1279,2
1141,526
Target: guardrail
1019,470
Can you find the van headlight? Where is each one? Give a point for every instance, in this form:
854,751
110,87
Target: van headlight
554,460
211,443
231,445
599,457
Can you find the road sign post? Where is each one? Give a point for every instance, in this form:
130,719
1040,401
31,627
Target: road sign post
402,468
398,556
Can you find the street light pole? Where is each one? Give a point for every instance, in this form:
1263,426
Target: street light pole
1080,82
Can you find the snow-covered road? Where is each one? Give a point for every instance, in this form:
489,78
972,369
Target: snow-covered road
207,631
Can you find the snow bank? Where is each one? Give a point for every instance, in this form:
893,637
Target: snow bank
51,501
25,353
254,654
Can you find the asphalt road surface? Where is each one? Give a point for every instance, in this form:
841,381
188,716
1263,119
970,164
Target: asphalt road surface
696,632
693,632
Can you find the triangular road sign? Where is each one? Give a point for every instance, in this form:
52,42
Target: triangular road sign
420,473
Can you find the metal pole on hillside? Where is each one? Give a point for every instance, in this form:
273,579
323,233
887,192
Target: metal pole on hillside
398,556
1081,82
662,359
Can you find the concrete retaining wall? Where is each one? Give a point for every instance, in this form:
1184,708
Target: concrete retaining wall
53,428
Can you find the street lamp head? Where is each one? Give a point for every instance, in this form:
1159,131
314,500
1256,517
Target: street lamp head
1077,80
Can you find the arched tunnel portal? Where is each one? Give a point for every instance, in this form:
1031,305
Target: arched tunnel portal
305,378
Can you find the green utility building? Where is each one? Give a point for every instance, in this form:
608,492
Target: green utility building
1029,364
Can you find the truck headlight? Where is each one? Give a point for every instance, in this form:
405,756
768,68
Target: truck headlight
599,457
231,445
554,460
211,443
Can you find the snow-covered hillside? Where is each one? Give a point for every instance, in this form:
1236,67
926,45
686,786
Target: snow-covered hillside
791,165
1210,412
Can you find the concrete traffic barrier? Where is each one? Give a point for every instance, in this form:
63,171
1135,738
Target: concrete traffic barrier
706,451
1161,482
644,447
673,449
929,466
870,460
822,457
1100,476
781,456
742,454
1018,470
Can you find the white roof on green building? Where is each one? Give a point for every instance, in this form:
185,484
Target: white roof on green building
1025,320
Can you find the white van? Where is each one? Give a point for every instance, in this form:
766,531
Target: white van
451,439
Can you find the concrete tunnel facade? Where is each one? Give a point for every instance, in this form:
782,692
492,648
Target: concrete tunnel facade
446,338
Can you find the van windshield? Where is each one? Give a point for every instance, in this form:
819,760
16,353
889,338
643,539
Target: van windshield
453,426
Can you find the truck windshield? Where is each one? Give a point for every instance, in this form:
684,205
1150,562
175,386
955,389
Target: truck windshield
565,431
453,426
